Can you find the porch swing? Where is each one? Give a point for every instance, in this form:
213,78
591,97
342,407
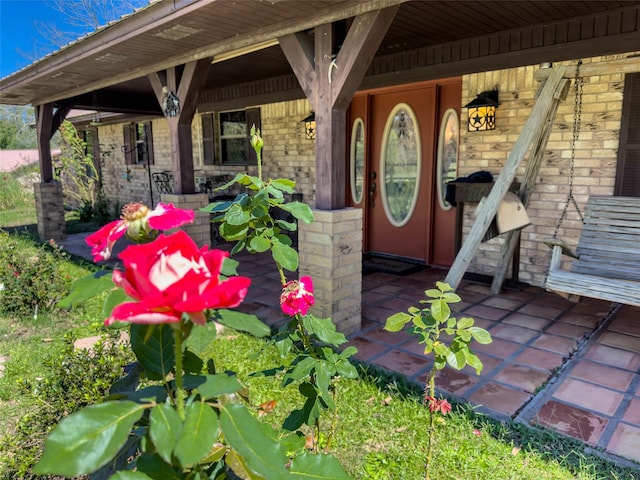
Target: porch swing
606,262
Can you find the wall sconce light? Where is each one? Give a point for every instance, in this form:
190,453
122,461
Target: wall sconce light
482,111
170,103
310,126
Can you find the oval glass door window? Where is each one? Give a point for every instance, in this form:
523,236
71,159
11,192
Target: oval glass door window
357,160
400,164
448,140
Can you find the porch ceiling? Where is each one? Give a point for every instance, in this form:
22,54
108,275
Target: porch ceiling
241,37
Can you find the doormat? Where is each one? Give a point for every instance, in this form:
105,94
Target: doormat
394,266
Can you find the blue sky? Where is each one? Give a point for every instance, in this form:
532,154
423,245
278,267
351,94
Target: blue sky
20,42
18,32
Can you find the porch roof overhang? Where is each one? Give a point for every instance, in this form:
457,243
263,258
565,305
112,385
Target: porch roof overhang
107,70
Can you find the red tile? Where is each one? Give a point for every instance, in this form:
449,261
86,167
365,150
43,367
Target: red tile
561,345
412,346
522,377
402,362
480,322
397,304
514,333
602,375
626,324
471,296
625,442
626,342
566,330
542,359
517,295
503,303
592,397
571,421
498,347
376,313
499,398
454,381
483,311
599,308
549,299
614,356
390,338
632,414
544,311
580,319
526,321
478,288
367,349
488,363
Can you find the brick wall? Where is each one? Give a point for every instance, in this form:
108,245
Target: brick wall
287,154
595,157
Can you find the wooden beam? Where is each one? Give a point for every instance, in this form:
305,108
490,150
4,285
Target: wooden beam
44,132
112,102
360,46
298,48
187,89
329,78
526,186
485,215
630,64
58,117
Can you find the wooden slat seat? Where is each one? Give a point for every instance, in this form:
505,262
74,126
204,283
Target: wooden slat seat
608,253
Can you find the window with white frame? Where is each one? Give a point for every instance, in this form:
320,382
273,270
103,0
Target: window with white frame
234,135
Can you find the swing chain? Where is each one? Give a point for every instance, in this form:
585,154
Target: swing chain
577,121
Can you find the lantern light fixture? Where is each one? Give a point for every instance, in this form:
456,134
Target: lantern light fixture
310,126
481,111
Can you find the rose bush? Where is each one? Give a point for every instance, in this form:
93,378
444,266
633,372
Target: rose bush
172,415
173,276
139,224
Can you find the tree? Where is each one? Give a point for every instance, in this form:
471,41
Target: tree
7,134
79,18
16,130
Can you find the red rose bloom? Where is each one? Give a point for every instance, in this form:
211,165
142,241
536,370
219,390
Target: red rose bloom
138,223
171,276
297,296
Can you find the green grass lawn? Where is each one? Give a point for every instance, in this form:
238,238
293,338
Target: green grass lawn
380,427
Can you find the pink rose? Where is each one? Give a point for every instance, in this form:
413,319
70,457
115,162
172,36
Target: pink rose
139,224
171,276
297,296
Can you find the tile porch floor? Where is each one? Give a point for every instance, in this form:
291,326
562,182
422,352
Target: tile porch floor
574,368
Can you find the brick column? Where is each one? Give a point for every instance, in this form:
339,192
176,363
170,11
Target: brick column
200,229
50,211
331,253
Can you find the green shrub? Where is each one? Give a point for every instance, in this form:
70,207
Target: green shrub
72,380
12,193
31,280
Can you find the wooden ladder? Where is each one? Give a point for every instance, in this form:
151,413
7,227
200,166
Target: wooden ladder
533,138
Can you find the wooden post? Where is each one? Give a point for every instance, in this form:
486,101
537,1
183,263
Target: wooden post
187,90
527,184
329,79
485,215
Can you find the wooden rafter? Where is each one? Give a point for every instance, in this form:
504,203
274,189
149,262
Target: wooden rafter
187,88
329,79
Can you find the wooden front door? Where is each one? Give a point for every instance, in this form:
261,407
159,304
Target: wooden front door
392,170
